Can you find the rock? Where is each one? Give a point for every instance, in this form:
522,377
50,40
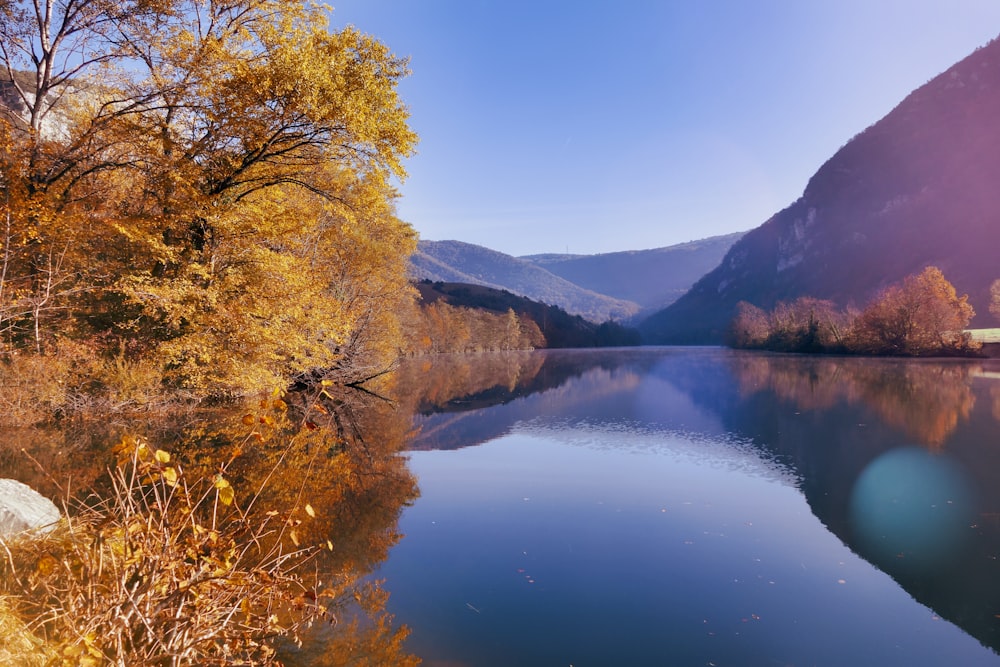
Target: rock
22,508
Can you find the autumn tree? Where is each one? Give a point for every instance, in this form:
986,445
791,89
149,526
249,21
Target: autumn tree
804,325
207,181
923,315
749,327
995,298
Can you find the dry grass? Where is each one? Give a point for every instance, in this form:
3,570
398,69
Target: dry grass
20,647
162,571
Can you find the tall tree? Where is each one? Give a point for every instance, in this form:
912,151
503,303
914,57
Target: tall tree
201,169
921,316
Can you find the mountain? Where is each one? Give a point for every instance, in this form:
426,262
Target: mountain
917,188
599,287
651,278
457,262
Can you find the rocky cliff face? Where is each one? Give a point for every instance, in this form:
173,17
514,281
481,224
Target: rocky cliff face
917,188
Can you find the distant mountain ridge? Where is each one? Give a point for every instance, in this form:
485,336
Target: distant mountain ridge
651,278
458,262
616,286
917,188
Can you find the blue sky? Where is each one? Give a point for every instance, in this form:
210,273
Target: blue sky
587,127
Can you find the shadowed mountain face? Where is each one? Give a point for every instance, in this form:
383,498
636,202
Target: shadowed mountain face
597,287
918,188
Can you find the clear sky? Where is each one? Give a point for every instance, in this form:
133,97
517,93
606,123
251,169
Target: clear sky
587,127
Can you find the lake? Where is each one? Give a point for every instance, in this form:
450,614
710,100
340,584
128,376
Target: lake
700,506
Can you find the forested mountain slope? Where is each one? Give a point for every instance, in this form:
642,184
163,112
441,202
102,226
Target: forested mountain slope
917,188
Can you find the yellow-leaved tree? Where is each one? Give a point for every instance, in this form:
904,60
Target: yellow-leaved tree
204,183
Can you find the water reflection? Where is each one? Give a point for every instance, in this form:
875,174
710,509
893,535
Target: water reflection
914,507
339,455
925,400
897,458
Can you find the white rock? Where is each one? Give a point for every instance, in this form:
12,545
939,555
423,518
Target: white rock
22,508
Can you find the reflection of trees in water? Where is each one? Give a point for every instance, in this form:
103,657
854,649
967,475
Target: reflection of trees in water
846,442
924,400
339,455
447,383
427,382
451,396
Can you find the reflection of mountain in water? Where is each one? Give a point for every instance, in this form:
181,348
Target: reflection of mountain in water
451,413
855,419
833,421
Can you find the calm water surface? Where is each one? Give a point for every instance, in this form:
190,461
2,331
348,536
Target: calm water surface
701,507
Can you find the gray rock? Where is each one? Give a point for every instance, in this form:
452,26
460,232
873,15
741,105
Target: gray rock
22,508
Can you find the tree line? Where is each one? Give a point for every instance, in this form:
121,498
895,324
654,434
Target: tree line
439,327
922,315
459,317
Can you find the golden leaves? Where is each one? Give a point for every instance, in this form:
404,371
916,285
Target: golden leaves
169,475
225,490
236,179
